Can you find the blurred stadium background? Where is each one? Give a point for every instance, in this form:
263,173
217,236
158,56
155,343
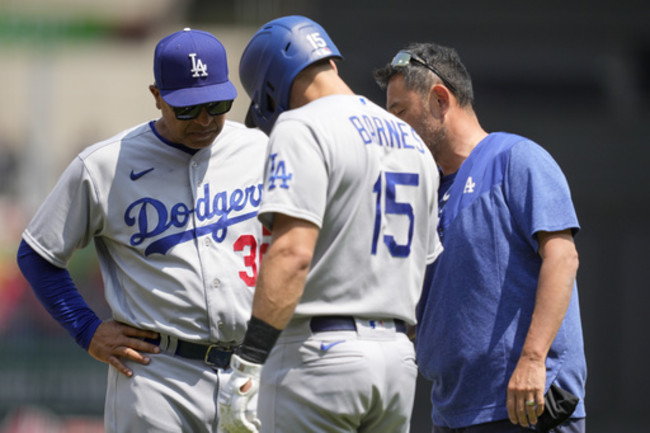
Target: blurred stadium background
576,78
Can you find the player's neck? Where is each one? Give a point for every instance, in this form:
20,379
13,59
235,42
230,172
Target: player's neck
317,84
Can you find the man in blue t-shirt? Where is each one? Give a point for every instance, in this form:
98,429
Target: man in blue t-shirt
498,321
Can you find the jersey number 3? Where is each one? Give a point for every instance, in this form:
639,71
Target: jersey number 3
393,207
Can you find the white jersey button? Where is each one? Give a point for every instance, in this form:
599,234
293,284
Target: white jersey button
216,283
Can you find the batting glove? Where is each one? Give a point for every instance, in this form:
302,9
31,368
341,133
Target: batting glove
233,416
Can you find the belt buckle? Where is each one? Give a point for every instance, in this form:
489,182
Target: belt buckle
220,357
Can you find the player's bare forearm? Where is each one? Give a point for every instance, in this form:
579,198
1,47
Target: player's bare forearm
114,342
556,279
284,270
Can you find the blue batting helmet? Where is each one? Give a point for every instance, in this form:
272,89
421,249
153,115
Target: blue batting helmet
274,56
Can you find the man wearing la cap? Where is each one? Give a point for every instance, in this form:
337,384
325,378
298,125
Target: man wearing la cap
171,205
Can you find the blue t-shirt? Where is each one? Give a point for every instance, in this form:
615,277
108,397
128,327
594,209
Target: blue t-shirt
474,317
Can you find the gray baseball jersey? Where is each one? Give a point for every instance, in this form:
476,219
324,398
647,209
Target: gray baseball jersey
176,234
366,179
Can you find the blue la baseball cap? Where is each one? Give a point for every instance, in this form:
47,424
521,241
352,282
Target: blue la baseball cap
190,68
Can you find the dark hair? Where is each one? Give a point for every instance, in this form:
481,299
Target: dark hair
419,78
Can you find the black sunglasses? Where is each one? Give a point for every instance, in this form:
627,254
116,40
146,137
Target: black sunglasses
404,58
213,109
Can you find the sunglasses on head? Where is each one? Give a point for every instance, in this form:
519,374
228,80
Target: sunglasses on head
213,109
404,58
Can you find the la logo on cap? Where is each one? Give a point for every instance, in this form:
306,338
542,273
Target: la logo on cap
199,69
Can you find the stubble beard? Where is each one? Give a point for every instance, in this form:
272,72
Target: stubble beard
435,137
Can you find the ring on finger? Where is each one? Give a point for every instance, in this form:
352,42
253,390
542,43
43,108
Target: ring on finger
530,403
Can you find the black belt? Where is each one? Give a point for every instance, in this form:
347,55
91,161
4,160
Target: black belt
344,323
217,355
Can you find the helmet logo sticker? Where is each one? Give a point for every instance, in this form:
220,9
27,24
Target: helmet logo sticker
199,69
319,44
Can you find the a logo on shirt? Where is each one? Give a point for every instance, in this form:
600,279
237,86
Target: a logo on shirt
469,186
135,176
278,172
199,69
153,218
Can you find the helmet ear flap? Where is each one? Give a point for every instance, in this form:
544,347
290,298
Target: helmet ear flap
250,116
262,115
270,103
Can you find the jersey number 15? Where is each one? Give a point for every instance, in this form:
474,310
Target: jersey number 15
393,207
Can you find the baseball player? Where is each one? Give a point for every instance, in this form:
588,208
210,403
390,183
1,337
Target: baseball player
171,205
350,193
